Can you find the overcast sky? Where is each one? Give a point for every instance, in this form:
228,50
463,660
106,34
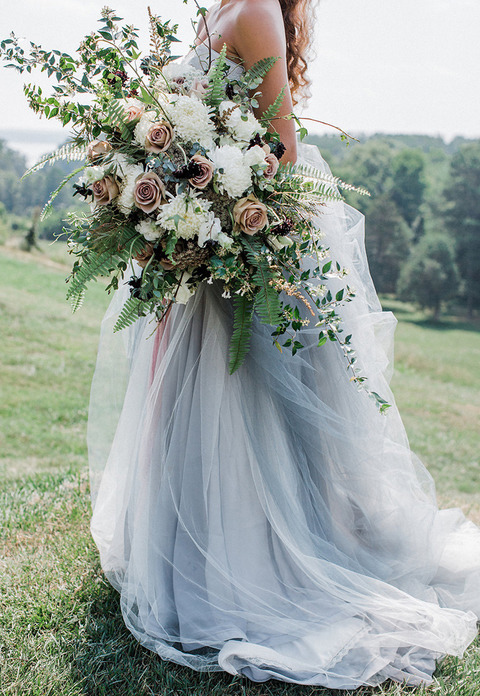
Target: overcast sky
407,66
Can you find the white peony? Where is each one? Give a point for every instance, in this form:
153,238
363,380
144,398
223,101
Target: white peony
232,173
142,127
242,126
125,201
149,229
191,120
186,216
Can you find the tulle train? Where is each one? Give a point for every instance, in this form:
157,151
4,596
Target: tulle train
271,523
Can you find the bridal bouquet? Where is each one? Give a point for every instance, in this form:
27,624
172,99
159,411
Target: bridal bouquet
182,178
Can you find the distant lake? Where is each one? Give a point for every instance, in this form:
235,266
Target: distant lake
32,143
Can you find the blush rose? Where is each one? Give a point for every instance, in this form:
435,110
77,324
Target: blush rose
97,148
250,215
272,166
205,175
159,137
144,255
133,111
149,192
199,87
104,190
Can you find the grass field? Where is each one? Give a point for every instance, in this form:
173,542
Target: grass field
61,631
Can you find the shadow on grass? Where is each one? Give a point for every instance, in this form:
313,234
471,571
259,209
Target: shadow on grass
108,661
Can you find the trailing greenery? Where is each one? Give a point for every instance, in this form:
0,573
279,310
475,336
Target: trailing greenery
67,153
267,302
242,331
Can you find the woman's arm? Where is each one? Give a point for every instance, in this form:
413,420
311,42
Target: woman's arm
259,33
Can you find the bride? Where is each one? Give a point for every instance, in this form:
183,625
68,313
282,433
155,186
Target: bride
272,523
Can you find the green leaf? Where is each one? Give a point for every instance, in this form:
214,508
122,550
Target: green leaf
67,152
92,266
242,331
253,77
326,267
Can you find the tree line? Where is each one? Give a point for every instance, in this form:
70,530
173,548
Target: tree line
422,218
422,231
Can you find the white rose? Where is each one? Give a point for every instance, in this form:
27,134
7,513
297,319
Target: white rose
224,240
255,156
91,174
210,229
149,229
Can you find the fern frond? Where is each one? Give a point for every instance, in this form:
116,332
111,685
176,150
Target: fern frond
92,265
254,77
242,331
76,300
48,205
274,108
130,312
216,90
267,301
115,114
308,172
68,152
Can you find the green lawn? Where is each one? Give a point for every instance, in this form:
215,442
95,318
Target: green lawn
61,631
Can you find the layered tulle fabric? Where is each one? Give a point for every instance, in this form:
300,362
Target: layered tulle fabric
272,523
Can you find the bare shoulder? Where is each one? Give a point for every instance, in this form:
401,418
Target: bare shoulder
253,14
253,17
251,10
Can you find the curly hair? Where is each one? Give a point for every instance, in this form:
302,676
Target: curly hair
298,20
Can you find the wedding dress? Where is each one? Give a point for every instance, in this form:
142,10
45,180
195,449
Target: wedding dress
273,523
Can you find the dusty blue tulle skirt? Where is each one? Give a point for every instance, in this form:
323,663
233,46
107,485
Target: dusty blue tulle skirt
272,523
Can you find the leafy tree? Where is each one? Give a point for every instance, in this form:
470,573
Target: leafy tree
430,276
408,183
370,165
387,242
463,193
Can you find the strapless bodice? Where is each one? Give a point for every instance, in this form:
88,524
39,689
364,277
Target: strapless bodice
198,57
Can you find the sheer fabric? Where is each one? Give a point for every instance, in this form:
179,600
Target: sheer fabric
272,523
